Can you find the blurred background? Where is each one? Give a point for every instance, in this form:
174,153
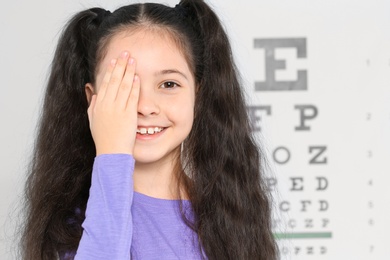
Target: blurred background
317,78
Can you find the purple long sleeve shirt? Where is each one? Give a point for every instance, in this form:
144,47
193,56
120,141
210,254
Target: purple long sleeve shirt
123,224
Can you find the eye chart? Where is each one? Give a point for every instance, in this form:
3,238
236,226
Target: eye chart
318,79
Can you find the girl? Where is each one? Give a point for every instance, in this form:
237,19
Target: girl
144,148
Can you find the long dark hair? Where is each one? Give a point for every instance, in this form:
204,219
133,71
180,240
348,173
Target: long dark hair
226,188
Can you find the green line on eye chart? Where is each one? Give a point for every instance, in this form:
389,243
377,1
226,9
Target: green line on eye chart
303,235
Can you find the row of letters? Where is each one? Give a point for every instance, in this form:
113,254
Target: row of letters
301,224
297,184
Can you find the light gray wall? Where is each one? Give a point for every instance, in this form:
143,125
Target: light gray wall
348,66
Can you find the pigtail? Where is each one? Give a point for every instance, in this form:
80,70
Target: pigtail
228,195
59,177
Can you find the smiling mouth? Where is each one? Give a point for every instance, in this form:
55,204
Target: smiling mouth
149,130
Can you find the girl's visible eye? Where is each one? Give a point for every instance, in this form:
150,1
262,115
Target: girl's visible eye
169,85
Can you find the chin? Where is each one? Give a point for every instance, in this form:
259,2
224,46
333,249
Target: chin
150,157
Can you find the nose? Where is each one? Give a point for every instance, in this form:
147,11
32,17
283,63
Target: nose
147,102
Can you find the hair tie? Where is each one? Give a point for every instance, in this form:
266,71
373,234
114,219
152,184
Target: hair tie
181,10
101,14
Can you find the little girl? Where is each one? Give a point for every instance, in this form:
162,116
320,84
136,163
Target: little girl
144,148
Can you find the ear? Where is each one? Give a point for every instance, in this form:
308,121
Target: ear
196,89
89,92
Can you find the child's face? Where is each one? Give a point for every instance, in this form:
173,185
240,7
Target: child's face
167,93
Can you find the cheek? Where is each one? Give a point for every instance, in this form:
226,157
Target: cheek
181,111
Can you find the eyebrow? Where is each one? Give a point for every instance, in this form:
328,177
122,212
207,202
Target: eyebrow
171,71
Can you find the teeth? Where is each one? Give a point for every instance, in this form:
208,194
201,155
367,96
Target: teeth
150,130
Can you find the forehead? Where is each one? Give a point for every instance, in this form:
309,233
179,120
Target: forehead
145,43
139,36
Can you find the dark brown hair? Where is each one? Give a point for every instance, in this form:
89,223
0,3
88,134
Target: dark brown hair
229,199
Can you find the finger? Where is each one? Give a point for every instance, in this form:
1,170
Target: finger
106,79
127,83
117,77
132,102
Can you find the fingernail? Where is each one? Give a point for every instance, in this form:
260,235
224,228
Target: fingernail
131,61
125,54
113,62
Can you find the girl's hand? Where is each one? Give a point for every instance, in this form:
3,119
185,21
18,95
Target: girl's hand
113,111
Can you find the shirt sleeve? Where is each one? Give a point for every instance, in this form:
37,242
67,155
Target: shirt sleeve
108,221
